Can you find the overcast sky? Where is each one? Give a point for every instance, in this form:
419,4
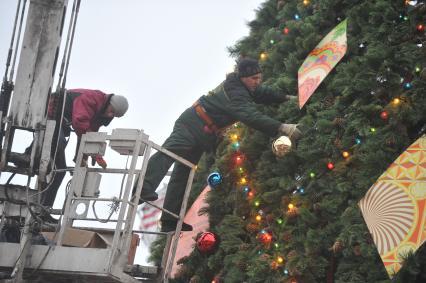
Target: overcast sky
161,55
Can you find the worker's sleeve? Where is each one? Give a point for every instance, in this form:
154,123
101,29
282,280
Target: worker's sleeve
84,111
243,108
267,95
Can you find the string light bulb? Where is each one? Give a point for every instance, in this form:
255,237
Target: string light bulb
330,165
396,101
258,218
407,85
263,56
290,206
238,159
280,259
236,145
286,30
345,154
306,2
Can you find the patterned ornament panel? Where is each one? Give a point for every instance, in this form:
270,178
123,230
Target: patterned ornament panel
320,61
394,207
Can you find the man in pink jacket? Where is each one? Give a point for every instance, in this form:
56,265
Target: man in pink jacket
86,110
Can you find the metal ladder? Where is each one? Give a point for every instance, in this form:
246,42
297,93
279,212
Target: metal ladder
60,262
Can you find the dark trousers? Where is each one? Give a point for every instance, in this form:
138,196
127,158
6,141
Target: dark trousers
189,141
48,196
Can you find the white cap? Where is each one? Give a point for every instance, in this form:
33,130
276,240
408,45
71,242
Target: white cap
119,104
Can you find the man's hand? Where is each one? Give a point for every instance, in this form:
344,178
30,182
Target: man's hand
83,160
291,131
99,160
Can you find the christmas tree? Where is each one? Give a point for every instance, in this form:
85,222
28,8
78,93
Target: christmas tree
296,218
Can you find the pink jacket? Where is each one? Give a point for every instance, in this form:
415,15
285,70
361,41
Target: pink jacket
87,110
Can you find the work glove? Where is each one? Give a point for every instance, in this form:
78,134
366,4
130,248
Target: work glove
99,160
291,131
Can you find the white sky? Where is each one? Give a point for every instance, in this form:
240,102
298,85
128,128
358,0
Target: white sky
161,55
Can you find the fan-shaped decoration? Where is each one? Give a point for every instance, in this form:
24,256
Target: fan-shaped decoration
395,207
389,214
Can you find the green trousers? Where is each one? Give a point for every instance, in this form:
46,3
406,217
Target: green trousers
188,140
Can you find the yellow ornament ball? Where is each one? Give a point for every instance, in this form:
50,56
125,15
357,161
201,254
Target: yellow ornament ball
281,146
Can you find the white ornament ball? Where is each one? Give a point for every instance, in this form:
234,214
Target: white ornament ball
281,146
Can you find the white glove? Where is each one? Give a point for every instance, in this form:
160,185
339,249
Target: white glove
291,131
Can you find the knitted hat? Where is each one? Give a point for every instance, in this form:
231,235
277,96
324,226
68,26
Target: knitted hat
248,67
119,104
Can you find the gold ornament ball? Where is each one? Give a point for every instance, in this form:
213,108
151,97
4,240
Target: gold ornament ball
281,146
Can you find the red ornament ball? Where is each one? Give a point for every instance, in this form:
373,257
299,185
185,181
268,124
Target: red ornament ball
330,165
384,115
420,27
207,242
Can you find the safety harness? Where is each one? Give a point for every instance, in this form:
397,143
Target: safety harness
210,126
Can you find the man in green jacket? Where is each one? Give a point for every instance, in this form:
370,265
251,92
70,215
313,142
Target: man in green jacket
197,130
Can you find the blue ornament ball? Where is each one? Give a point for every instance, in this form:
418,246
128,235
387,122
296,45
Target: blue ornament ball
214,179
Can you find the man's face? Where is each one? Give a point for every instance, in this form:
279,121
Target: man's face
109,112
252,82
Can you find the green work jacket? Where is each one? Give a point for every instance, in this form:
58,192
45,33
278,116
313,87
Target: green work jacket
231,102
